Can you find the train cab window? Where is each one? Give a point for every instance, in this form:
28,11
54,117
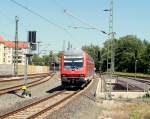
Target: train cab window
73,64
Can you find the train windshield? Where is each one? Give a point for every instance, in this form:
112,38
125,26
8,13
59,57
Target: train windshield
73,64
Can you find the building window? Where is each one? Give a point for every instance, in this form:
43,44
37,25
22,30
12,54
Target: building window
19,61
19,57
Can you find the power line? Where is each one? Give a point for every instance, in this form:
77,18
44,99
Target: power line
40,16
44,18
11,21
83,21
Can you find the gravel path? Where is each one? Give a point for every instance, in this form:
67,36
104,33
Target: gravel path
82,107
11,101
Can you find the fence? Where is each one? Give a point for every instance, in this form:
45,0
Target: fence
7,69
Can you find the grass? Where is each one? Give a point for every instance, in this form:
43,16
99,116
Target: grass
140,112
126,110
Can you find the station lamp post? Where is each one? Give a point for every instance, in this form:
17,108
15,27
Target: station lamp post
135,67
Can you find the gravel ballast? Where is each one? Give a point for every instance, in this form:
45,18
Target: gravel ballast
81,107
10,101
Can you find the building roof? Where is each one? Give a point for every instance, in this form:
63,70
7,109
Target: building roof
11,44
23,45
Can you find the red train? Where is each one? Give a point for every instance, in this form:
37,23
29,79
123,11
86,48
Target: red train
76,69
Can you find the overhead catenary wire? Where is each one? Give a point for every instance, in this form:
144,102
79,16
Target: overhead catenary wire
83,22
11,22
42,17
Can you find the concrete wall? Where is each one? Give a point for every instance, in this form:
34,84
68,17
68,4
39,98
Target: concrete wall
7,69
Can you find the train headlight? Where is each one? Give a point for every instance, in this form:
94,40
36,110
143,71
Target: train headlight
63,75
82,75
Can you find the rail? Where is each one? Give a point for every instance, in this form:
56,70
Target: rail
40,107
18,87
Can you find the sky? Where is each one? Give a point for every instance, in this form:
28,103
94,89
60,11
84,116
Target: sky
131,17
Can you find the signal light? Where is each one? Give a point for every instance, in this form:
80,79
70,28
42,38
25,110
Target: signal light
33,46
32,36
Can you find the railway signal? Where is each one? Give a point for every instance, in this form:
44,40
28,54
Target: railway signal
32,46
32,39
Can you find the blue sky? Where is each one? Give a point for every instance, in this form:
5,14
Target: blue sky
130,17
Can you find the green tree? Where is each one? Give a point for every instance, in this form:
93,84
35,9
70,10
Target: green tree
128,50
93,52
37,60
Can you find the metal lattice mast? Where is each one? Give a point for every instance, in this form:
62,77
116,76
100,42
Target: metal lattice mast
39,47
110,49
111,35
16,48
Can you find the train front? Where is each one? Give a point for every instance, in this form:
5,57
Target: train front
72,68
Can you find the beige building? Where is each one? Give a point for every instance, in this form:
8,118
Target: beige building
7,49
1,52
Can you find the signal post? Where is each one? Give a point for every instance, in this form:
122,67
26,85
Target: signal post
31,47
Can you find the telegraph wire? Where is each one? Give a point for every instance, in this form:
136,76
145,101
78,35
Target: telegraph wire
11,22
62,9
91,26
40,16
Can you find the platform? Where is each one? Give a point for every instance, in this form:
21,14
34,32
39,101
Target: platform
100,92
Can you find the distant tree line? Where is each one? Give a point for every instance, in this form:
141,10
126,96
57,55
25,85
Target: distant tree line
127,50
44,60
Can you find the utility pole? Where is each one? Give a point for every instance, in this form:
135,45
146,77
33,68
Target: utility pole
68,45
63,46
16,48
110,49
51,59
110,53
71,46
111,33
39,47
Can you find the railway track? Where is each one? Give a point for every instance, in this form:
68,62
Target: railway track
141,80
21,78
33,83
129,85
47,105
134,84
126,84
39,107
10,76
